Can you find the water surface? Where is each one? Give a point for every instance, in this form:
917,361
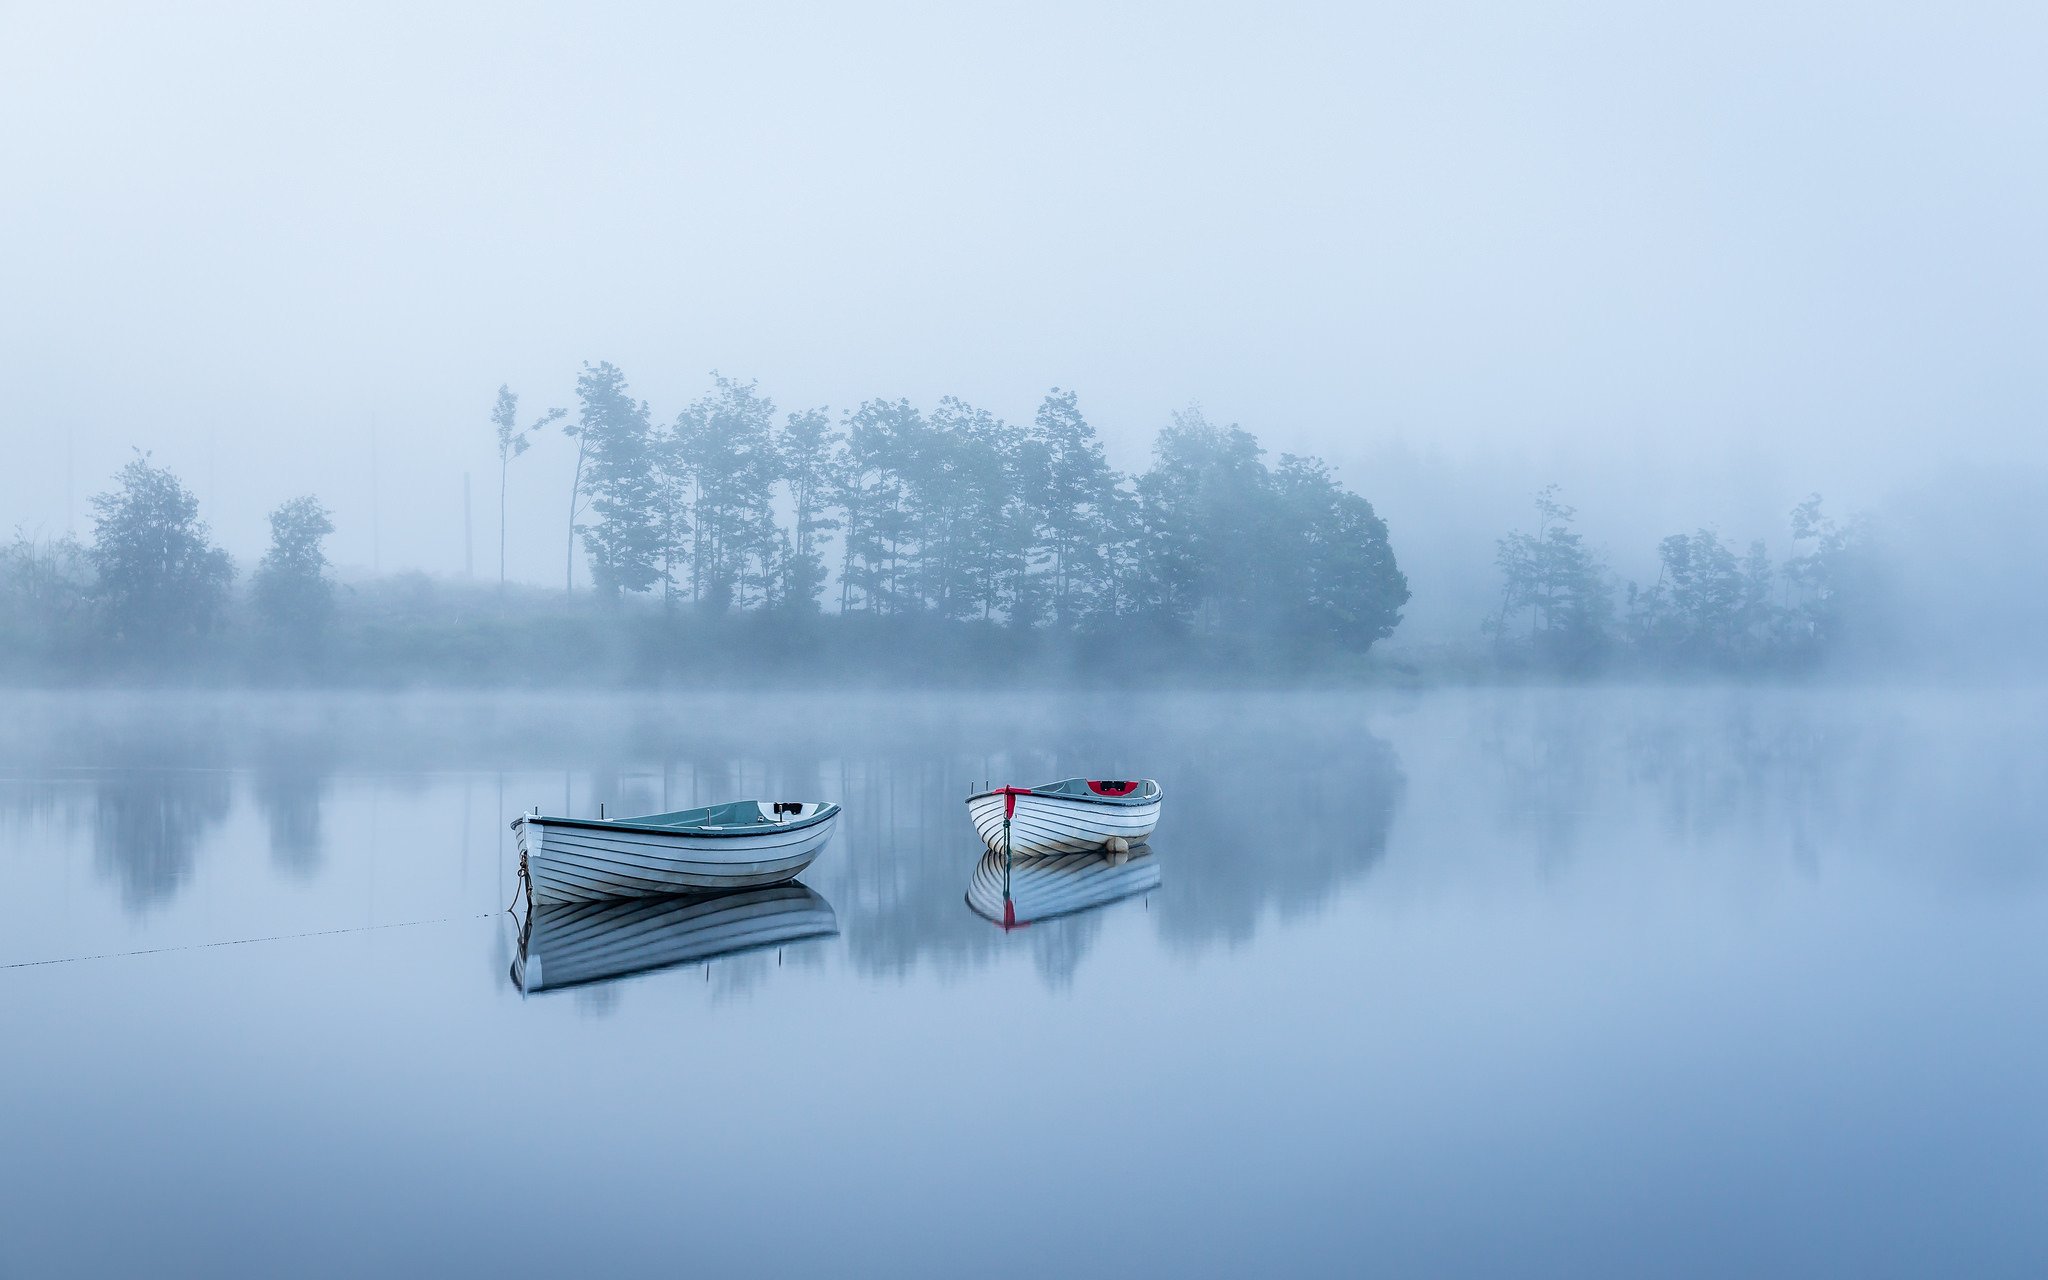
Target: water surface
1588,982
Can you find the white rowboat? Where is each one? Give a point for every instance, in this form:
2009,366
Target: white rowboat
571,943
1041,888
742,845
1079,815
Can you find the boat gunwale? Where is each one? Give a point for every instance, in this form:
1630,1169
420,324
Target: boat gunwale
1041,792
827,811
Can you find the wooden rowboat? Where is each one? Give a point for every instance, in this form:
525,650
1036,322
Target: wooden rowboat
572,943
1041,888
742,845
1079,815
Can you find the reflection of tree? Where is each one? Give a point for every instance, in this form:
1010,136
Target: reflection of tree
44,803
1273,804
1543,768
898,869
1274,801
1058,945
290,797
1563,766
1283,818
147,823
1724,765
1766,775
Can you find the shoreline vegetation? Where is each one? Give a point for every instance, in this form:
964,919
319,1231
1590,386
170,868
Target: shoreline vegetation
893,545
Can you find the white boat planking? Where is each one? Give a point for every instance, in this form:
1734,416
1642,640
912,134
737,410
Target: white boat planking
572,943
1077,815
742,845
1042,888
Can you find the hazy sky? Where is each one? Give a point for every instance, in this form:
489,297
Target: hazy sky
1690,259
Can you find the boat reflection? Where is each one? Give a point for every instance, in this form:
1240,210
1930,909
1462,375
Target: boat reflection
1041,888
574,943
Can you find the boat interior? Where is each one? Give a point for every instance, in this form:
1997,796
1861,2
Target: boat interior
1132,791
738,813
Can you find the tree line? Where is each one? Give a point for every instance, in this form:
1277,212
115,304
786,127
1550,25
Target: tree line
887,528
953,514
1712,606
886,515
151,580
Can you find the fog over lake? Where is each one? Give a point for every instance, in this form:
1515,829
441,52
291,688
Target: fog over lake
1101,639
1673,981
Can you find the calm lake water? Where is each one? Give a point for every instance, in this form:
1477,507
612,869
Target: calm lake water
1573,983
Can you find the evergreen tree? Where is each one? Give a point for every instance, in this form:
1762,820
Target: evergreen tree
1697,613
810,457
1073,500
1207,511
1342,586
1834,580
294,595
728,438
1000,524
1007,530
881,440
615,438
1560,583
938,505
674,531
1759,625
964,502
159,575
1123,564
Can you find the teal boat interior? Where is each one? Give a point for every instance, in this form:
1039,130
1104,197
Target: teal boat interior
735,817
736,813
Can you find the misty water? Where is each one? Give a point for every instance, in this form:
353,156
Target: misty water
1566,982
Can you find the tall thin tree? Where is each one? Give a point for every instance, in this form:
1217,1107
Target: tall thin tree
574,430
512,441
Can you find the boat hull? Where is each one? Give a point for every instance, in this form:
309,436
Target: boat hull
582,862
572,943
1046,826
1042,888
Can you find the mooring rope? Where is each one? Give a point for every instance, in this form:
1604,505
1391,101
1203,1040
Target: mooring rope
525,886
241,942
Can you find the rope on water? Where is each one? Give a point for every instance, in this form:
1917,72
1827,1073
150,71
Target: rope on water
241,942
